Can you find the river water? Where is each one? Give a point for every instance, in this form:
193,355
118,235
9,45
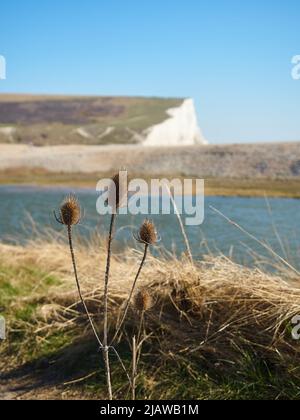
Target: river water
276,222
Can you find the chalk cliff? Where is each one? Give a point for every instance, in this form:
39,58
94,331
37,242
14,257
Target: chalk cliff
181,128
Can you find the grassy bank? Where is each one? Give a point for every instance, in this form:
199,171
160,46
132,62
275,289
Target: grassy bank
219,331
258,187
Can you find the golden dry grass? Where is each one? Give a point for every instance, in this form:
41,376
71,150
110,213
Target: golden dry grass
211,311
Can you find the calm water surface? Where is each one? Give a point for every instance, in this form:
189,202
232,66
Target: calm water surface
19,204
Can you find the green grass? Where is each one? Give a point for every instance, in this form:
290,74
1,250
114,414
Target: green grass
18,283
188,380
16,286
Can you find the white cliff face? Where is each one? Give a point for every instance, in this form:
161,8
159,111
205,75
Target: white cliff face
181,129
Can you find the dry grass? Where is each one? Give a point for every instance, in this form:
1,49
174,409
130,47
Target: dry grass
212,312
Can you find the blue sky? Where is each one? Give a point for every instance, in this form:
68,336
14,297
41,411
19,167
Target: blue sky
233,57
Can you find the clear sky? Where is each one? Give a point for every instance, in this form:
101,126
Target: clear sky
232,56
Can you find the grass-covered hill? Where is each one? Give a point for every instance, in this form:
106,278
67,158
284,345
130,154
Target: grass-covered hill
51,120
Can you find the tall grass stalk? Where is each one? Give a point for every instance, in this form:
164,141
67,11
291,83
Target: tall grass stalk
261,243
187,243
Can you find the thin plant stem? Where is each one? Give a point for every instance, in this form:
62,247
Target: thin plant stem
79,288
105,324
267,247
121,363
134,367
141,326
141,339
136,354
132,291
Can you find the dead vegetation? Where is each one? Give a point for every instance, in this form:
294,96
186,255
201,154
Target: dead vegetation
207,324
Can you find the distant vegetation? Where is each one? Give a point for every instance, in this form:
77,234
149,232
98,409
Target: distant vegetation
42,120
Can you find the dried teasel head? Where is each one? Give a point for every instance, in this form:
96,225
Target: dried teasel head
116,180
147,234
70,212
119,195
143,300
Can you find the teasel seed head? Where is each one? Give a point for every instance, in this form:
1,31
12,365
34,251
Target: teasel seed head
147,234
120,189
116,180
70,212
143,300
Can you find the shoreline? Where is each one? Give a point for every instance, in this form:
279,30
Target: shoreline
213,186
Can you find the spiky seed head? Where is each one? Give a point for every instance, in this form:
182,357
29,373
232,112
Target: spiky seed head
148,233
143,300
120,189
70,211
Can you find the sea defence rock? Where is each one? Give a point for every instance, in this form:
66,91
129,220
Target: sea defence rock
180,129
